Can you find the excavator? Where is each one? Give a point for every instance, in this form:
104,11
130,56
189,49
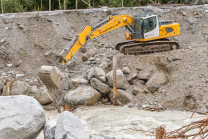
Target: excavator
146,34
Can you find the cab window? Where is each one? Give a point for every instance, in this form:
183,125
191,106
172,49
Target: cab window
150,24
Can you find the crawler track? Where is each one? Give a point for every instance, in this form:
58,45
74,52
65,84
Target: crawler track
139,48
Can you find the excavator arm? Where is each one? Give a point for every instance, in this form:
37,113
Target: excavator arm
111,23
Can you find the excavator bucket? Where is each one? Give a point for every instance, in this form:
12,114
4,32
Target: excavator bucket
50,76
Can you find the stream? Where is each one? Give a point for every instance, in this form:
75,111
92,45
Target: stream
121,122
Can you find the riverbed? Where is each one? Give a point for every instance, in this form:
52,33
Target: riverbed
122,122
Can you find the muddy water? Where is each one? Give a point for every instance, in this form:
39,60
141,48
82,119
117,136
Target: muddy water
121,122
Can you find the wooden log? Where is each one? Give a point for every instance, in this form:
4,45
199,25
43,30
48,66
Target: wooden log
7,88
115,81
54,102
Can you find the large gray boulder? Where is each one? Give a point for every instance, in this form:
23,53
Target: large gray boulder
123,97
69,127
42,97
83,95
139,87
122,83
147,72
157,80
100,74
17,88
77,82
100,86
22,117
49,129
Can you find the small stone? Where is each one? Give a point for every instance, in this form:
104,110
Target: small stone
91,59
34,89
83,49
125,106
20,26
97,60
9,65
17,63
126,70
93,62
169,58
183,13
155,103
144,106
88,62
4,74
19,75
85,57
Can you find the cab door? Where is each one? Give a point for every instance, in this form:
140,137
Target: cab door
150,27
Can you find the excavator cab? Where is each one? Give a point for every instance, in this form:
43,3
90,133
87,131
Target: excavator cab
145,26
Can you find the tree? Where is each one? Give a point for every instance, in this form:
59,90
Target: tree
2,11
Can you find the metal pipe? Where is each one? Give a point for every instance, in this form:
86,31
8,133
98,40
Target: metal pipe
100,24
69,45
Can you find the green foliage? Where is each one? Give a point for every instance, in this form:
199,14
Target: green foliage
12,6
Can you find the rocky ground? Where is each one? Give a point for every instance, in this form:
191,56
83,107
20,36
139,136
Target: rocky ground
175,80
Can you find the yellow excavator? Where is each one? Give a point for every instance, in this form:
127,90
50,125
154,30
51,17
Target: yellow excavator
146,34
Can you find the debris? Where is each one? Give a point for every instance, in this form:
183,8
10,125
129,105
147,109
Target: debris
55,103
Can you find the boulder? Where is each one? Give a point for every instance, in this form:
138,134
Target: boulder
83,95
126,70
130,76
122,83
123,97
77,81
22,117
18,88
100,74
157,80
69,127
146,73
100,86
139,87
49,129
42,97
91,74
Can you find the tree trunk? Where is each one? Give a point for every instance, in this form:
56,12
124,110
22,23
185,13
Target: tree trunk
35,5
122,3
41,5
2,11
76,5
49,5
59,4
64,4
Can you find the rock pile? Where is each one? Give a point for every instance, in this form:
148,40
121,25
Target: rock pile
130,82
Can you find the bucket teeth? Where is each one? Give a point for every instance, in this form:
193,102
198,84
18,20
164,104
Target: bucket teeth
50,76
